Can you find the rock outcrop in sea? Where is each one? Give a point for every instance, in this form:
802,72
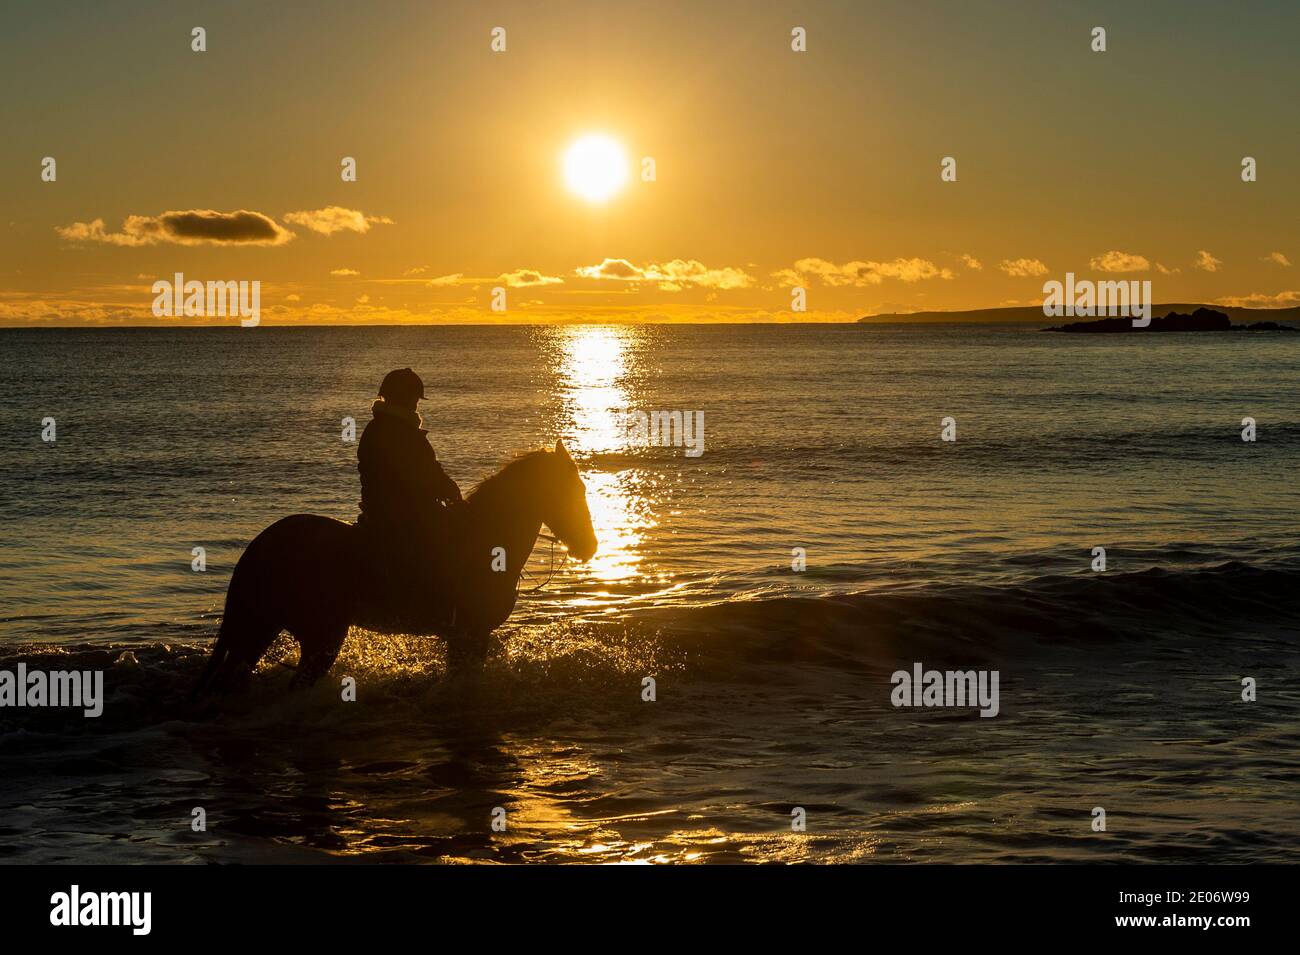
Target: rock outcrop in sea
1201,320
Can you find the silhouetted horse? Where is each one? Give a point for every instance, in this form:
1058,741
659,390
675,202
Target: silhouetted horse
305,574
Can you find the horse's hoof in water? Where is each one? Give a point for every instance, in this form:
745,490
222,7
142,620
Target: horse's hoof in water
305,678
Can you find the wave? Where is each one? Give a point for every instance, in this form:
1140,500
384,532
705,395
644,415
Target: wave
543,669
1072,448
970,623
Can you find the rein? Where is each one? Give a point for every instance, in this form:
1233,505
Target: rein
550,572
455,607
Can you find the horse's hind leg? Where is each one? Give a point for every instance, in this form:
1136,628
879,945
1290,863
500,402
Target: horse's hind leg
319,646
248,643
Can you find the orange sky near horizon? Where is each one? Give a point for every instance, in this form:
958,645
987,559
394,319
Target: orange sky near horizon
773,168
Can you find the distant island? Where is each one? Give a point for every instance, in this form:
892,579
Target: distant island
1201,320
1034,313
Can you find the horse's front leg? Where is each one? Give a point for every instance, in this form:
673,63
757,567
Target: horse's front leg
467,652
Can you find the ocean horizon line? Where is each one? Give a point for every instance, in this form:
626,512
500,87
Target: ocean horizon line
1031,315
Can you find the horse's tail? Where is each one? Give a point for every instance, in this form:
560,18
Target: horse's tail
235,620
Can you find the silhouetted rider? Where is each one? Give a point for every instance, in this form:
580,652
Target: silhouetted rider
404,490
400,474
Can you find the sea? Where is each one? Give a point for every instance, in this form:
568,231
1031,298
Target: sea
1078,514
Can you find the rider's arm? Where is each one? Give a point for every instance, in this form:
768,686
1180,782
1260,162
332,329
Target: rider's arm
444,488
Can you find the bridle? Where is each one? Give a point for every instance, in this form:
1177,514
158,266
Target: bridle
455,607
550,572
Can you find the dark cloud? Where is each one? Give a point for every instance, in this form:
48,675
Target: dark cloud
186,227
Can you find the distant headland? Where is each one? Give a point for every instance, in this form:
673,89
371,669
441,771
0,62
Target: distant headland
1034,314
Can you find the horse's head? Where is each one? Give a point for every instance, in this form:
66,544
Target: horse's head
564,504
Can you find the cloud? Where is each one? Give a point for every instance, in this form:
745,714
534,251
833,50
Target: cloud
1022,268
1279,259
1116,261
1207,262
1166,271
418,270
1260,300
680,272
861,274
89,306
971,262
519,278
187,227
524,278
344,273
40,311
671,276
333,219
611,269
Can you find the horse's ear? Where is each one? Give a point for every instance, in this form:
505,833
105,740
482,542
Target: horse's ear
561,450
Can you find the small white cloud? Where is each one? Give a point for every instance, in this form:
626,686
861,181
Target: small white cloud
334,219
620,269
671,276
519,278
526,278
1206,262
1022,268
861,274
1260,300
1116,261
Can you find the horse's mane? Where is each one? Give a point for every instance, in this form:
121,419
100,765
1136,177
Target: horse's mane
520,462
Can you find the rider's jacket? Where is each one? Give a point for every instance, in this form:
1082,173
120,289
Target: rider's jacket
402,483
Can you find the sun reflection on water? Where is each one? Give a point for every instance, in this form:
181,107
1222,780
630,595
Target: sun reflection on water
593,383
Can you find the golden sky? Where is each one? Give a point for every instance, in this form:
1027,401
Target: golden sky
773,168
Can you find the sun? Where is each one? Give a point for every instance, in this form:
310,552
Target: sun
595,167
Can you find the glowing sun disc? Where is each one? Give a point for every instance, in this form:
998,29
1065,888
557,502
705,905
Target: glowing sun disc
595,167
